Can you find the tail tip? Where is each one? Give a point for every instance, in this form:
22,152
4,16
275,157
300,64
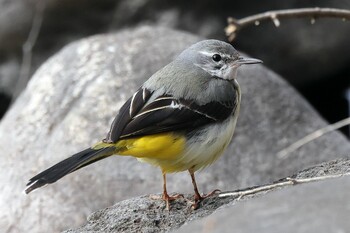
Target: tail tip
32,185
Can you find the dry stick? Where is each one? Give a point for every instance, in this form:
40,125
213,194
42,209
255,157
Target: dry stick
231,30
286,182
235,25
27,48
316,134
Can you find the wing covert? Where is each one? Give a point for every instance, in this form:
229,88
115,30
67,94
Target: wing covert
127,112
166,114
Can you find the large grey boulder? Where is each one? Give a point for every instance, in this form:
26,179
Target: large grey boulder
313,207
313,52
316,207
72,99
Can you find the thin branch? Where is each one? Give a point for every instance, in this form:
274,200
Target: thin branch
27,48
316,134
285,182
235,25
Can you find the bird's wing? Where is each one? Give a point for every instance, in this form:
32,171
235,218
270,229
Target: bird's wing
165,114
131,107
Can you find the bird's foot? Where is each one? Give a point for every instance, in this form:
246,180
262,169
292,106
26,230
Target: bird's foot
198,198
167,198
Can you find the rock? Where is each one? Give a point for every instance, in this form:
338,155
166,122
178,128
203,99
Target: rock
316,207
81,88
298,50
72,99
301,52
320,206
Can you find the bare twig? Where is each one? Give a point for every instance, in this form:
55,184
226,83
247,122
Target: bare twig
27,48
308,138
283,183
235,25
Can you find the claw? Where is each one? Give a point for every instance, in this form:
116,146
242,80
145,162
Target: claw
212,193
168,198
198,198
165,197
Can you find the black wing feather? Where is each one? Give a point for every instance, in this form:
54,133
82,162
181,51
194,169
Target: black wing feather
126,112
172,115
165,114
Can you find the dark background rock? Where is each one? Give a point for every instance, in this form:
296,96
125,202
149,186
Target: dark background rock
314,58
72,99
312,207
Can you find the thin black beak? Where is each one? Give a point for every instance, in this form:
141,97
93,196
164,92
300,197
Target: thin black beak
247,61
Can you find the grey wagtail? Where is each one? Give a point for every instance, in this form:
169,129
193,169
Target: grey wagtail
182,118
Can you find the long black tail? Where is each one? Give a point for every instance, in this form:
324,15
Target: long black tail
67,166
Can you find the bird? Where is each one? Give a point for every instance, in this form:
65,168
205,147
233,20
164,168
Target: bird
181,119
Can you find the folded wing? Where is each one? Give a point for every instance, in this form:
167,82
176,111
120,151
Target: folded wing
165,114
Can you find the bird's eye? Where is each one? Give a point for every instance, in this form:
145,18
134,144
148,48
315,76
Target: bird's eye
216,57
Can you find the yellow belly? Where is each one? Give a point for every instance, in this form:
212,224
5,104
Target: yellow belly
172,152
162,150
165,146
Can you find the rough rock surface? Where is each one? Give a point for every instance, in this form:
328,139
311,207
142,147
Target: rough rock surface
314,207
72,99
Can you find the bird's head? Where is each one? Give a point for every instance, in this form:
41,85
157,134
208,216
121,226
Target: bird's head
219,59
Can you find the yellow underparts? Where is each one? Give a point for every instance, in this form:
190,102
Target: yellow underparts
163,146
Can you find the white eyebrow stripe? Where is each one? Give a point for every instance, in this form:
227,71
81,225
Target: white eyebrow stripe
210,54
206,53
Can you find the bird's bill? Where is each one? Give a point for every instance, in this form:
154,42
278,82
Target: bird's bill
246,61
